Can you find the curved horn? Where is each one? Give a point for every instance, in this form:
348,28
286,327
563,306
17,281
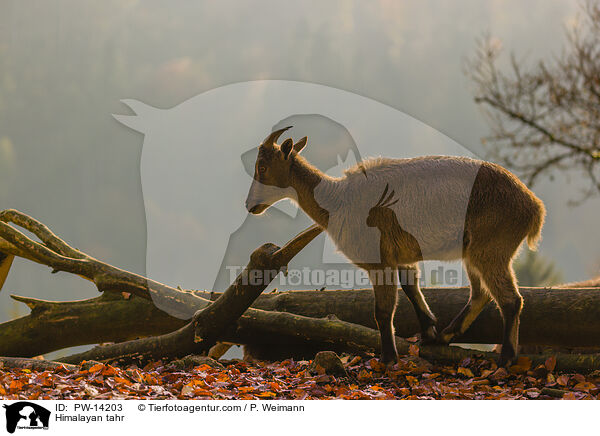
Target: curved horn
274,136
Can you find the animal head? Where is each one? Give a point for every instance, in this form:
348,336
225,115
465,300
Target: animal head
382,213
271,181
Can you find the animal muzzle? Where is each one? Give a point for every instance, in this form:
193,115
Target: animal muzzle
255,208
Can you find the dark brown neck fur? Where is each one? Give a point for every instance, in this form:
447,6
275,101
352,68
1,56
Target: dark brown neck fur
304,179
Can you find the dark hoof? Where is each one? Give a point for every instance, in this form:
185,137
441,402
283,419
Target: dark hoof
388,359
429,336
445,336
508,357
503,362
507,362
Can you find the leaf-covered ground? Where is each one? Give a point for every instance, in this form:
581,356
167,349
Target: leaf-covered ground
411,378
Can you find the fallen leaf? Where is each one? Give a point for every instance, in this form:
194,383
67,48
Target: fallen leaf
96,368
246,389
91,391
413,350
266,395
354,361
376,365
569,396
412,380
187,390
109,371
486,373
579,378
499,374
523,365
584,386
550,363
122,380
563,380
466,372
15,385
199,392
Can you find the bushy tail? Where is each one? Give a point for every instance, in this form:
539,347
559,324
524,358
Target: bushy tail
535,230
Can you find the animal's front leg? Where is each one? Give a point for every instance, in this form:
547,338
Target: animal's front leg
385,287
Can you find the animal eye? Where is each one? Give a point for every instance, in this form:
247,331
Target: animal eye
262,170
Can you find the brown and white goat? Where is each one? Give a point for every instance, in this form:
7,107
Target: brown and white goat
439,208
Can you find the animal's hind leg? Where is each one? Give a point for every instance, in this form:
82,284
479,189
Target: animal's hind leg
478,299
500,281
385,288
409,280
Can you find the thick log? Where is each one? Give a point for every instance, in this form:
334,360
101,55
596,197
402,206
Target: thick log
553,317
55,325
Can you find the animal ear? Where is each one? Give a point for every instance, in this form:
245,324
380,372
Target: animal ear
286,147
298,146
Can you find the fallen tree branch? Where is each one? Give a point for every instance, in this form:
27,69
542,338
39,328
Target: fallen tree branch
564,362
209,323
57,254
34,364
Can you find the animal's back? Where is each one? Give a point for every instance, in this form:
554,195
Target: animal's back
438,197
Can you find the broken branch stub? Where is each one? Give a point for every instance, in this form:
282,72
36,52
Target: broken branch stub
264,265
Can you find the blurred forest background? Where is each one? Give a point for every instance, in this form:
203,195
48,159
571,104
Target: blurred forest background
65,65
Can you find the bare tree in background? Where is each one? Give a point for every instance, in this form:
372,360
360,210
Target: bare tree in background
546,117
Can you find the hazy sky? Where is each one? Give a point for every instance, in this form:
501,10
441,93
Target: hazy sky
65,66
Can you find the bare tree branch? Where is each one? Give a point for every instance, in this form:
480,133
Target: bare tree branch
545,117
